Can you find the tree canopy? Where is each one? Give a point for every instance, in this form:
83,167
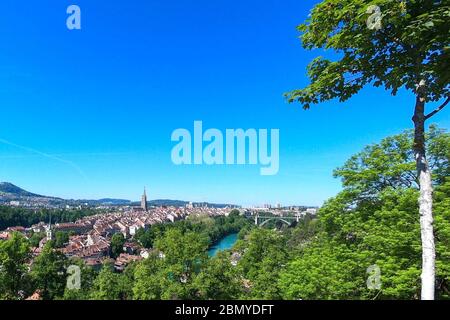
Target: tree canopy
411,45
373,223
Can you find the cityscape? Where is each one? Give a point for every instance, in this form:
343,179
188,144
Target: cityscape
89,238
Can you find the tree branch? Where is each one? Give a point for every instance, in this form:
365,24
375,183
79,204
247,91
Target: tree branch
349,81
437,109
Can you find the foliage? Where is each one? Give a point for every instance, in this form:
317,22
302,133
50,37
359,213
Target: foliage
170,271
36,238
117,242
61,239
391,163
148,275
107,285
219,280
147,237
48,272
412,45
184,257
321,272
11,217
14,254
442,231
379,228
302,235
87,277
263,257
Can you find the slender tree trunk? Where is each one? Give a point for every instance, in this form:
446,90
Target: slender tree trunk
425,200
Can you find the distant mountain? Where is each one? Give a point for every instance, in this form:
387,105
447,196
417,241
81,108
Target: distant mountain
167,202
105,202
182,203
10,192
115,201
7,188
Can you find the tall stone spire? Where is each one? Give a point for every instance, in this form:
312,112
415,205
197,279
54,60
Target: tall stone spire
49,229
144,201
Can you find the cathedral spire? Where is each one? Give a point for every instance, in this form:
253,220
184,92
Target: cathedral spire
49,229
144,201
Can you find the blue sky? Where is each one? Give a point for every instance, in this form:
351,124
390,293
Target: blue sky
89,113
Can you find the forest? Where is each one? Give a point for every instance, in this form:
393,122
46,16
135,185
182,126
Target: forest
12,217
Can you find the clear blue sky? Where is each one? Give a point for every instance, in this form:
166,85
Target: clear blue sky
89,114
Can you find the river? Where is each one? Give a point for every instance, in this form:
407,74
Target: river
225,243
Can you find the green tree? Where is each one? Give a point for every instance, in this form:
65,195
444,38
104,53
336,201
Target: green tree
61,239
127,280
410,51
304,232
10,217
324,270
107,285
391,163
117,242
148,279
144,237
87,277
219,280
14,254
36,238
187,250
184,256
442,210
263,257
49,273
373,222
234,213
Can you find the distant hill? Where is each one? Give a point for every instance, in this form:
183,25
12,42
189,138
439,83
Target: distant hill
7,188
115,201
167,202
182,203
11,192
104,202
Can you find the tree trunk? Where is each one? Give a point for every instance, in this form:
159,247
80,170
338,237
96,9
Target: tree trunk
425,201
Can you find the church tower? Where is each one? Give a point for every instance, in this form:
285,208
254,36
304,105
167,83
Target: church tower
144,201
48,229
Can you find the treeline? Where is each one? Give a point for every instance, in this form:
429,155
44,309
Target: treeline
12,217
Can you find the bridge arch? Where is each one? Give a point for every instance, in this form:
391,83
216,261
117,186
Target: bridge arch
275,218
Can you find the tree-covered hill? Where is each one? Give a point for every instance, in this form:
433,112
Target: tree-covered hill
7,188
